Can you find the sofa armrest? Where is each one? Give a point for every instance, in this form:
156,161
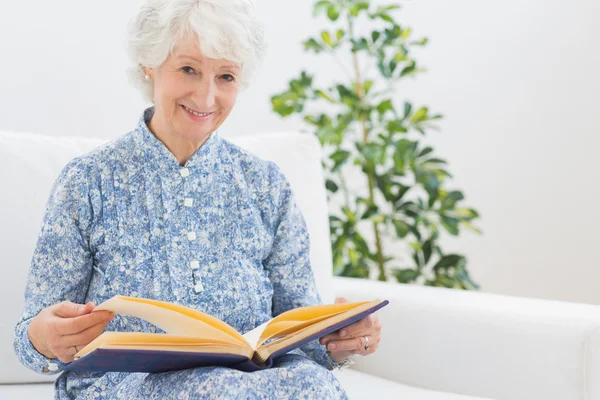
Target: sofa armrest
482,344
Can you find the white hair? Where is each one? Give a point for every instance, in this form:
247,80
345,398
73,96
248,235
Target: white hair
226,29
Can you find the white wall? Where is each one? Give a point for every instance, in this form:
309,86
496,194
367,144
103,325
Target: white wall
517,81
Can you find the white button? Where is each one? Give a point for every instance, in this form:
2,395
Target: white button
191,235
52,367
198,287
188,202
194,264
184,172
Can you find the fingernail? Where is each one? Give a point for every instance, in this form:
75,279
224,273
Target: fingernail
332,346
343,333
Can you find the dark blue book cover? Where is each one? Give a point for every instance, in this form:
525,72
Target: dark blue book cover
125,360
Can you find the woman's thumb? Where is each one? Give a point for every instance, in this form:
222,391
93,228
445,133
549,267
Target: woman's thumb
341,300
67,309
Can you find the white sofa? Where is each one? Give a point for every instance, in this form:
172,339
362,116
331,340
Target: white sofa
437,343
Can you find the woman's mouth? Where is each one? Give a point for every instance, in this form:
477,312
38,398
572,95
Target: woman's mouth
195,115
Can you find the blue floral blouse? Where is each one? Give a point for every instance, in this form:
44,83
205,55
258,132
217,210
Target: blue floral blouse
221,234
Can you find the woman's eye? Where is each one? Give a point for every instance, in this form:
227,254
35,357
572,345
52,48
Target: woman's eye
229,78
188,70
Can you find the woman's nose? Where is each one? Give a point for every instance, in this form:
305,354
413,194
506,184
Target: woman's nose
205,93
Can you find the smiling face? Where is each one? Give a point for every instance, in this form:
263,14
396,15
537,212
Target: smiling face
193,94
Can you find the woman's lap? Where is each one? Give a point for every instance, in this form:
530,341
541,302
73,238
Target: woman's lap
292,377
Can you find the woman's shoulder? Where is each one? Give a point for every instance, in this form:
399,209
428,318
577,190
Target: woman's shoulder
256,169
113,151
85,170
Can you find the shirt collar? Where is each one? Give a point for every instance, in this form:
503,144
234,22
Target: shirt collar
153,149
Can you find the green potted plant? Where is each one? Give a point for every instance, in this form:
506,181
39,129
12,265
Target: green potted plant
406,196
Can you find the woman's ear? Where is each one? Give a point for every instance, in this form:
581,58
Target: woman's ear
147,73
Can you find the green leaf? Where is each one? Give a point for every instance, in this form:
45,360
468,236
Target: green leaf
371,210
360,243
400,56
420,115
355,9
448,261
443,281
435,161
451,225
387,18
409,69
385,105
312,44
377,218
470,227
402,228
324,95
347,96
331,185
389,8
406,275
373,152
405,34
375,35
415,255
425,151
385,185
339,34
402,190
463,276
427,250
420,42
326,36
333,13
450,200
339,244
320,6
407,109
415,232
465,213
339,157
349,214
395,125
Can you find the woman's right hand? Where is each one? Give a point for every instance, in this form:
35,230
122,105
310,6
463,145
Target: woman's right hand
61,330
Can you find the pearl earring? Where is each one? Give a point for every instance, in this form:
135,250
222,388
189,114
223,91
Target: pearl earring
147,77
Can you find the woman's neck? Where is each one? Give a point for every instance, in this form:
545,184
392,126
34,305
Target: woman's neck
181,147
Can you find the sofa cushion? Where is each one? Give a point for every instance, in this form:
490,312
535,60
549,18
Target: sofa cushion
29,164
359,385
30,391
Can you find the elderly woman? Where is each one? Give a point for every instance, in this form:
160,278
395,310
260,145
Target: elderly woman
173,212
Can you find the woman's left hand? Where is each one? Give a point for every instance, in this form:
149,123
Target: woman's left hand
361,337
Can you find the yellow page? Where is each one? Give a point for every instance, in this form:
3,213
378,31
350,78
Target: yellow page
153,341
294,320
173,319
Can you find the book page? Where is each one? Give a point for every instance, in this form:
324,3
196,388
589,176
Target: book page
300,318
173,319
318,329
253,336
164,342
293,320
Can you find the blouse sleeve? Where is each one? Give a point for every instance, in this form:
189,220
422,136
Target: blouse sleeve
62,262
288,263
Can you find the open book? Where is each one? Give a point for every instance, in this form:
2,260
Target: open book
195,339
